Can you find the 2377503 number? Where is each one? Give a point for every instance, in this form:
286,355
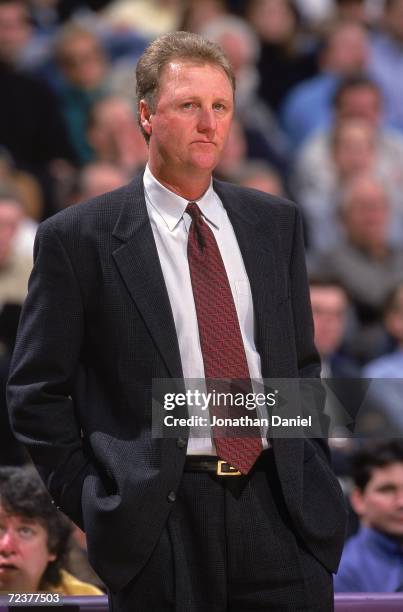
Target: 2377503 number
37,599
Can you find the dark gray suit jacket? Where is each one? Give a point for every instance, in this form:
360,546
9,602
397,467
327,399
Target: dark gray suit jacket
97,327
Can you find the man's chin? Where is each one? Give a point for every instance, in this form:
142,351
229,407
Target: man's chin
204,162
395,532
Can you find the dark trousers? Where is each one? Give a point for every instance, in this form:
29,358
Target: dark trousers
228,546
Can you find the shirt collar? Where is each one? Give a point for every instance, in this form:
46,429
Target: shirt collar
171,206
382,541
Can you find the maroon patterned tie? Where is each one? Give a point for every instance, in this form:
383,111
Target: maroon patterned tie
220,337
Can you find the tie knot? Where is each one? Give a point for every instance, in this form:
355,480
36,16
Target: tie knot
194,211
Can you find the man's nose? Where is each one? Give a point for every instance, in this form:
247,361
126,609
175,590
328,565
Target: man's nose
207,120
8,544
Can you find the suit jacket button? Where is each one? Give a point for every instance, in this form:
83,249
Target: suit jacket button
181,443
172,496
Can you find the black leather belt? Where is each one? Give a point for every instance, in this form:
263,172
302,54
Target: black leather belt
214,465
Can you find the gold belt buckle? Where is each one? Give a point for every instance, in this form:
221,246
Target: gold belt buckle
225,469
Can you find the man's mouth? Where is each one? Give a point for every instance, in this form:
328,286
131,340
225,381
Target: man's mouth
7,567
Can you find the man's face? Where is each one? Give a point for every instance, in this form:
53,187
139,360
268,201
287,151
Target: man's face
14,30
347,49
380,505
191,121
329,308
366,215
24,553
361,103
354,149
83,62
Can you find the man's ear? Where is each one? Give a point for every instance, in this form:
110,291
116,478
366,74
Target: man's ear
357,500
145,117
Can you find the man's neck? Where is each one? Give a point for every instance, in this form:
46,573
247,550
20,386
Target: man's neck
190,187
375,251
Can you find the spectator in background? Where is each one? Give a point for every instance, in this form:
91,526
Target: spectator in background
241,45
391,365
365,263
21,45
31,126
330,307
352,10
34,539
23,182
98,178
331,310
14,272
372,559
352,151
259,175
386,371
235,153
316,180
386,61
15,30
308,107
285,59
149,17
197,15
315,12
14,268
84,67
114,135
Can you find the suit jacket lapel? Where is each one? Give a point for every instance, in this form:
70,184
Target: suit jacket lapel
139,265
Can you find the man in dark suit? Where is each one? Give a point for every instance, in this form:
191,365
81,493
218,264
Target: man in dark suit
121,295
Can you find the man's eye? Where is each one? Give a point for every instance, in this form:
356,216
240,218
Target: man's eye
26,532
219,106
188,105
388,490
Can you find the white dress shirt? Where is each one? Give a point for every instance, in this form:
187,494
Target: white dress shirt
170,225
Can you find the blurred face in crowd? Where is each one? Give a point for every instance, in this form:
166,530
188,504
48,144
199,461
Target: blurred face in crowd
354,148
114,133
99,178
264,181
24,554
83,61
393,18
347,49
366,214
273,20
200,14
235,150
189,126
361,102
352,10
15,30
238,51
329,308
10,217
380,505
394,317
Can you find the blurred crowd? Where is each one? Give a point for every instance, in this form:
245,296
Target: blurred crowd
319,120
